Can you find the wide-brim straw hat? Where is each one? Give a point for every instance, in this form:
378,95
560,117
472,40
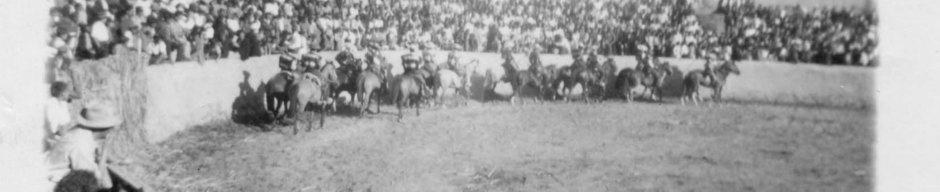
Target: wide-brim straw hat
99,115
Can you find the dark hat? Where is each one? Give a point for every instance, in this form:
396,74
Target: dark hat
287,58
310,57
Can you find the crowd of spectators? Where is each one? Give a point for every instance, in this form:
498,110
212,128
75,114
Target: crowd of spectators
173,30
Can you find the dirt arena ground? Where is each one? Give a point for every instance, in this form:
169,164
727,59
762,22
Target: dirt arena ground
553,146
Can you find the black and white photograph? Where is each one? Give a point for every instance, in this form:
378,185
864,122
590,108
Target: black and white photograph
451,95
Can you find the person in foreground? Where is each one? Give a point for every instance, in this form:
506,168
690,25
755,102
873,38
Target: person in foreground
82,147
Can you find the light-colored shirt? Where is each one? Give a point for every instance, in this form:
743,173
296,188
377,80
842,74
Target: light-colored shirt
156,48
75,150
57,114
100,32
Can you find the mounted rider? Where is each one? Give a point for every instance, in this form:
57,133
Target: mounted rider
311,62
287,63
644,59
709,72
578,59
535,63
592,61
453,64
427,60
509,65
374,58
344,57
410,60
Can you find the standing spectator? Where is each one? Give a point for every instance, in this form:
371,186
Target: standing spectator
130,27
200,39
176,42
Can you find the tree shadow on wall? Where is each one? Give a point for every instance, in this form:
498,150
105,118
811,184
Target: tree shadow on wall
248,108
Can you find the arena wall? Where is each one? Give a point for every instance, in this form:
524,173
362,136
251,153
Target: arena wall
187,94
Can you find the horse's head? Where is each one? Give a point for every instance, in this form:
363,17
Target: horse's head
730,67
665,67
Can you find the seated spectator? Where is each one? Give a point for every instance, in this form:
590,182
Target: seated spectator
101,34
80,147
58,117
157,51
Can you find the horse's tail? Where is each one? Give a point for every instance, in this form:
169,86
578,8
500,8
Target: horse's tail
689,85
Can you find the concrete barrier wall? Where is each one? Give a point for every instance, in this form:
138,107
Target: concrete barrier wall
188,94
182,95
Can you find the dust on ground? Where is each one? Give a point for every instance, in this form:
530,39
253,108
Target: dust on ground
556,146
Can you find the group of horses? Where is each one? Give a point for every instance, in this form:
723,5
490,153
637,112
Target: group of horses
601,81
373,82
322,85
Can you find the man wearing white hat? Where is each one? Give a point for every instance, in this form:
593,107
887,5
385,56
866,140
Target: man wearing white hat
82,147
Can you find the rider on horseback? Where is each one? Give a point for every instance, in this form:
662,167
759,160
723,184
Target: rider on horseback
509,65
578,60
709,73
645,62
427,58
409,61
535,63
310,62
452,64
374,59
344,57
287,66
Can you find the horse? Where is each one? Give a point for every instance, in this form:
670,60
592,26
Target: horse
697,78
520,79
655,79
564,80
447,79
591,81
549,78
306,91
627,79
347,76
276,94
608,75
407,88
369,84
329,81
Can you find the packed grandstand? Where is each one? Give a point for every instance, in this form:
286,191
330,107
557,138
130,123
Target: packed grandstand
170,30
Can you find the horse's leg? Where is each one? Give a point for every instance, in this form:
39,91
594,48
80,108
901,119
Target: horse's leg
682,96
310,120
322,119
378,101
269,104
586,92
440,97
643,93
718,91
657,93
277,109
398,103
418,106
363,105
296,110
